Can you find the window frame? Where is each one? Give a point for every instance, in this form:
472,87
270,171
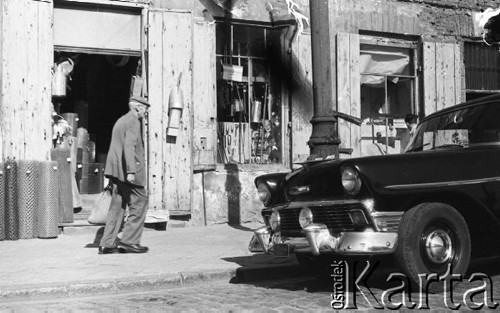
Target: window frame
413,45
236,58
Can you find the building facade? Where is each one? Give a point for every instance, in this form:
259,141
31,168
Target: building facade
243,69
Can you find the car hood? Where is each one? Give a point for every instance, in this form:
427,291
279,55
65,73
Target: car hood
384,174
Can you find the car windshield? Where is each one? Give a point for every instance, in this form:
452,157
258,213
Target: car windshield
473,125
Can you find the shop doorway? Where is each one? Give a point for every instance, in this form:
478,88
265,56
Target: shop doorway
96,95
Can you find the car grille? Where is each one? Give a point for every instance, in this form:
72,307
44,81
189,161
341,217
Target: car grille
336,218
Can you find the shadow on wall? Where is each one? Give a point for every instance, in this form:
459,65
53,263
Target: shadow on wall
233,192
292,71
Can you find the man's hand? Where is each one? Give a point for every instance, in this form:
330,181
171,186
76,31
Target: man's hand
131,178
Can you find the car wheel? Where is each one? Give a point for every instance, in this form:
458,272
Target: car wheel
431,236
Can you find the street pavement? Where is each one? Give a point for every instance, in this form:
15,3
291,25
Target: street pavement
212,262
70,264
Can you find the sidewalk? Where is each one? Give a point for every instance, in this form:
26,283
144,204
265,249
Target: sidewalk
70,264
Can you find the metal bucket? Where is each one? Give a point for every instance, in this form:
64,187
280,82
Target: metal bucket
257,112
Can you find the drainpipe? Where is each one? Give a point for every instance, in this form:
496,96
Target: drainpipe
324,141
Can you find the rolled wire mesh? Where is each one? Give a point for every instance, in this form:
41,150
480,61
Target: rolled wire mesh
2,202
47,213
26,184
11,201
63,158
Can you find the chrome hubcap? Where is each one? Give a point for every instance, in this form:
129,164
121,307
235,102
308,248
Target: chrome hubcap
438,246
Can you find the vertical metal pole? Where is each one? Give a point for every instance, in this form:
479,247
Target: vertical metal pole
324,141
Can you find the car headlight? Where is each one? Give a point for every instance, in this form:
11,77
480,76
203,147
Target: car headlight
350,180
305,217
275,221
264,193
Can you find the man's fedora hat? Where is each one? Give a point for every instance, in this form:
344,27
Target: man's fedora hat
140,100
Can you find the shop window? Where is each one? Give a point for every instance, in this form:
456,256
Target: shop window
482,70
388,94
249,110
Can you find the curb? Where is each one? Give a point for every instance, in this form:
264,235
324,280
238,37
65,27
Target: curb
131,284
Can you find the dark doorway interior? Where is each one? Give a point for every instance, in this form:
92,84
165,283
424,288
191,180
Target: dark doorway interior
101,83
97,90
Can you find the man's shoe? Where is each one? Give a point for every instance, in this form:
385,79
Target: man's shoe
126,248
105,250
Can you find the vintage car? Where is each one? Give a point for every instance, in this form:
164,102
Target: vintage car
437,203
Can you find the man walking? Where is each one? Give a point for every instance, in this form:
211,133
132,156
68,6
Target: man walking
125,167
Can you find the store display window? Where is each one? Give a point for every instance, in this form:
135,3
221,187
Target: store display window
249,109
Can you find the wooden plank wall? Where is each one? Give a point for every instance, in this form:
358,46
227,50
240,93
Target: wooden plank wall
348,91
302,98
443,76
170,167
204,96
27,58
286,130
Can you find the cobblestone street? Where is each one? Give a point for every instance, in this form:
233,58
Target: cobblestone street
305,293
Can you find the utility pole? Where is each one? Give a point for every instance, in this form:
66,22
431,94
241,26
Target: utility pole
324,141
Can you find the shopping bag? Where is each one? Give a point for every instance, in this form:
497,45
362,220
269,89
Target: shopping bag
101,207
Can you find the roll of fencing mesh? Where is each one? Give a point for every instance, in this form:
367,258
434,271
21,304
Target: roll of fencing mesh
63,158
26,184
2,202
47,213
11,201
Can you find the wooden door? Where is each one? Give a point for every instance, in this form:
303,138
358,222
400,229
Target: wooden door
348,91
204,96
169,55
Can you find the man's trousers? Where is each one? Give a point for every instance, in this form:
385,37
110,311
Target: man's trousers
137,199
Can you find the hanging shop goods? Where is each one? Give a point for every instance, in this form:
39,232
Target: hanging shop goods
257,111
60,74
136,86
175,107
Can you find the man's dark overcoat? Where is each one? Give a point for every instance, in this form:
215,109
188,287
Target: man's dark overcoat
126,153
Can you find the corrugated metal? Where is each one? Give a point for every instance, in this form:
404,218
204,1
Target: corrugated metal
482,67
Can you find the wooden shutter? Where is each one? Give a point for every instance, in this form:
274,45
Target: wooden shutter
443,75
204,97
348,91
170,158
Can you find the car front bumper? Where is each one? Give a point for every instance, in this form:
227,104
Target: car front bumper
318,240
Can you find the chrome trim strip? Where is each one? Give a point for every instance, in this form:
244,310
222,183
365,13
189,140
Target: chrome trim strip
443,184
318,241
374,216
315,203
386,214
